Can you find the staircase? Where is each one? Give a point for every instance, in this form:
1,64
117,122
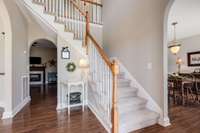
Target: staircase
133,113
122,113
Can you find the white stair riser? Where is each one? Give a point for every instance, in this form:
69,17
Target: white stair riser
121,76
124,84
127,94
125,110
135,126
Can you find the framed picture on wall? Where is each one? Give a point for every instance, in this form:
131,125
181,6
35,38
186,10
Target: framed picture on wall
194,58
65,53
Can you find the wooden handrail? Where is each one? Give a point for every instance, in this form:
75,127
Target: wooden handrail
92,2
114,67
78,8
101,51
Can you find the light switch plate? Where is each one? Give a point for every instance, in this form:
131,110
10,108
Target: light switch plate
149,66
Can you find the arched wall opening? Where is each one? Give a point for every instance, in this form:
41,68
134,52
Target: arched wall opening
165,61
166,121
43,68
6,77
185,13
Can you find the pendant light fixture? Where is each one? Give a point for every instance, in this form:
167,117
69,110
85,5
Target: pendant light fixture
175,45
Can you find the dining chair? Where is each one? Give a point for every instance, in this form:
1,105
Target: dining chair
197,87
174,85
188,91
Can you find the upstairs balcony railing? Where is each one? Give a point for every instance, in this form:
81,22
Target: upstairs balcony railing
65,9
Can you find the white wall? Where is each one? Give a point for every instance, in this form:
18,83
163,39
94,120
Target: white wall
19,57
1,47
133,32
6,89
63,74
35,32
2,50
191,44
186,13
46,54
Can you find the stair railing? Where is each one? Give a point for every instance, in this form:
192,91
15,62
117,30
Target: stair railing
77,16
94,8
63,9
103,71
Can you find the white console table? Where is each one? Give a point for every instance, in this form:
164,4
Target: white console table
69,89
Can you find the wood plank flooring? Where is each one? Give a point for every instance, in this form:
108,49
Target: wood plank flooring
40,116
184,119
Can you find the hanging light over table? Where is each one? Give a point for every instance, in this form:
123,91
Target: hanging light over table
175,45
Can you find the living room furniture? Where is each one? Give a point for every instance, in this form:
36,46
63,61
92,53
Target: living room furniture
52,77
70,89
37,68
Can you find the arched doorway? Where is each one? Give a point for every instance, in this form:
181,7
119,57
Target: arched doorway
166,120
43,70
183,12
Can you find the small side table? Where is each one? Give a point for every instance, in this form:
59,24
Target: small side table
70,84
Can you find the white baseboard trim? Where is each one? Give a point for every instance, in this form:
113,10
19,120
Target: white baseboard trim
59,107
21,106
99,118
165,122
7,115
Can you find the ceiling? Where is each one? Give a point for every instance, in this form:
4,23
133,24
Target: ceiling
187,14
43,43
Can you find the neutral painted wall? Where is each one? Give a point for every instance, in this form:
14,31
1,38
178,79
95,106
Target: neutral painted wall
186,13
133,32
191,44
19,49
63,74
35,32
46,54
6,87
1,46
2,50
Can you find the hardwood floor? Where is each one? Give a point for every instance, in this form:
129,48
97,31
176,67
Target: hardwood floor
40,116
183,120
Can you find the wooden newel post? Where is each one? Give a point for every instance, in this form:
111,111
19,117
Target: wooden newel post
87,28
115,113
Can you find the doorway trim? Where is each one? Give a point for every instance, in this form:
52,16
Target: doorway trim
166,120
